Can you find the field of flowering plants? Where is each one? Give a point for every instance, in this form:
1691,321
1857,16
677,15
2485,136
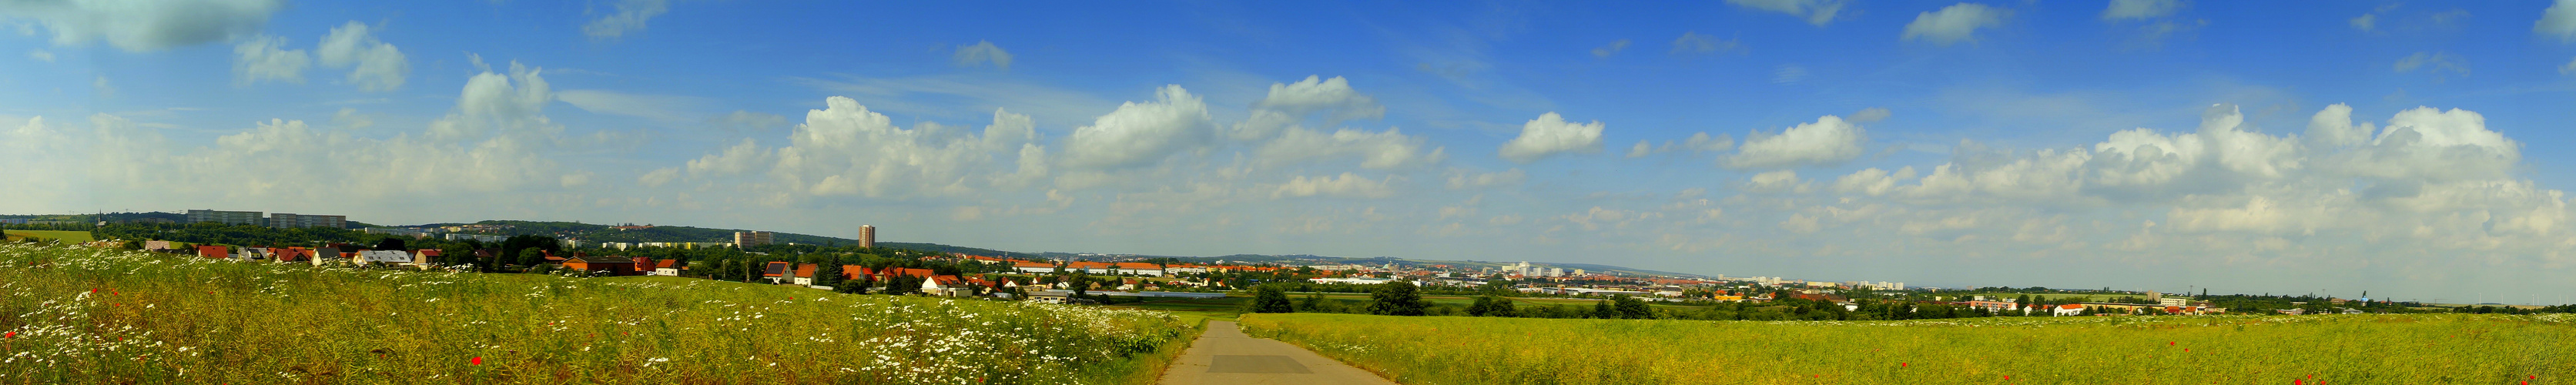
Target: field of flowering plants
2332,349
94,316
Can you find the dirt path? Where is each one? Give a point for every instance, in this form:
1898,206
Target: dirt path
1223,355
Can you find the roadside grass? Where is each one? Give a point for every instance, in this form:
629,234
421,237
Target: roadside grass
2337,349
82,315
64,236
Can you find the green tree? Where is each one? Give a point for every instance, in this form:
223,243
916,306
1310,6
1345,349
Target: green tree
1491,306
1632,308
1314,303
1602,310
532,257
1270,299
1397,298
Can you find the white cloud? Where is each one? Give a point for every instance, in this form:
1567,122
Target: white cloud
1334,98
1345,185
1955,23
378,66
1376,150
847,150
2439,61
630,16
1873,181
2141,9
264,59
1829,140
138,26
2366,22
1141,133
1817,12
40,55
2333,127
1460,179
982,52
1695,43
1612,49
1549,135
2559,20
1776,182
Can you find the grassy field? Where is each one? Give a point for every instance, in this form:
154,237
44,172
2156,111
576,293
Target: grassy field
65,236
76,315
2356,349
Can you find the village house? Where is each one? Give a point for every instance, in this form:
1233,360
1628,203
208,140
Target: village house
805,274
601,265
777,272
666,268
2067,310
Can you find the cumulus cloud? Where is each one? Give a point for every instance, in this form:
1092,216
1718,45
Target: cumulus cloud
848,150
630,16
1549,135
2558,21
1695,43
265,59
1333,98
1140,133
1612,49
374,65
1775,182
980,53
1829,140
1345,185
1873,181
144,26
2141,9
1955,23
1376,150
1817,12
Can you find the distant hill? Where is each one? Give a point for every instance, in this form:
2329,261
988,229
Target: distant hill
588,232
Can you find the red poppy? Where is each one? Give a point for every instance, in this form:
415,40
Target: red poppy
10,335
478,360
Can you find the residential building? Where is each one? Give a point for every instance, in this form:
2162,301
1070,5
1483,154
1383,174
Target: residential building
776,272
1139,268
226,217
867,236
601,265
667,268
805,274
2067,310
297,221
1033,267
216,252
752,238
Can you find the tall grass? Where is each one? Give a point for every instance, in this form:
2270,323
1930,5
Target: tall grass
78,315
2340,349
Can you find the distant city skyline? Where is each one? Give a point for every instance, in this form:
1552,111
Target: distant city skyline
2248,147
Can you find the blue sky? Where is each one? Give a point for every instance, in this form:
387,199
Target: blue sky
2243,146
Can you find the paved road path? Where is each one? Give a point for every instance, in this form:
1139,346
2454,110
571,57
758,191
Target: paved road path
1223,355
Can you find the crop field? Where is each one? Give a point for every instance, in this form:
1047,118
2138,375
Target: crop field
95,316
64,236
2334,349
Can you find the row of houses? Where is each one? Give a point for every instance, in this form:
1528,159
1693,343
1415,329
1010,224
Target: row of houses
932,283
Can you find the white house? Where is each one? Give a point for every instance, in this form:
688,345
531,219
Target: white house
2067,310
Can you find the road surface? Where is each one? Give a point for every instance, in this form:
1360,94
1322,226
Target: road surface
1223,355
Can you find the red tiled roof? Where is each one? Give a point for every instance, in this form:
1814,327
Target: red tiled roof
806,270
665,264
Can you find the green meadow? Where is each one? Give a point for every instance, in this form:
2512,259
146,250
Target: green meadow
2336,349
49,235
97,316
